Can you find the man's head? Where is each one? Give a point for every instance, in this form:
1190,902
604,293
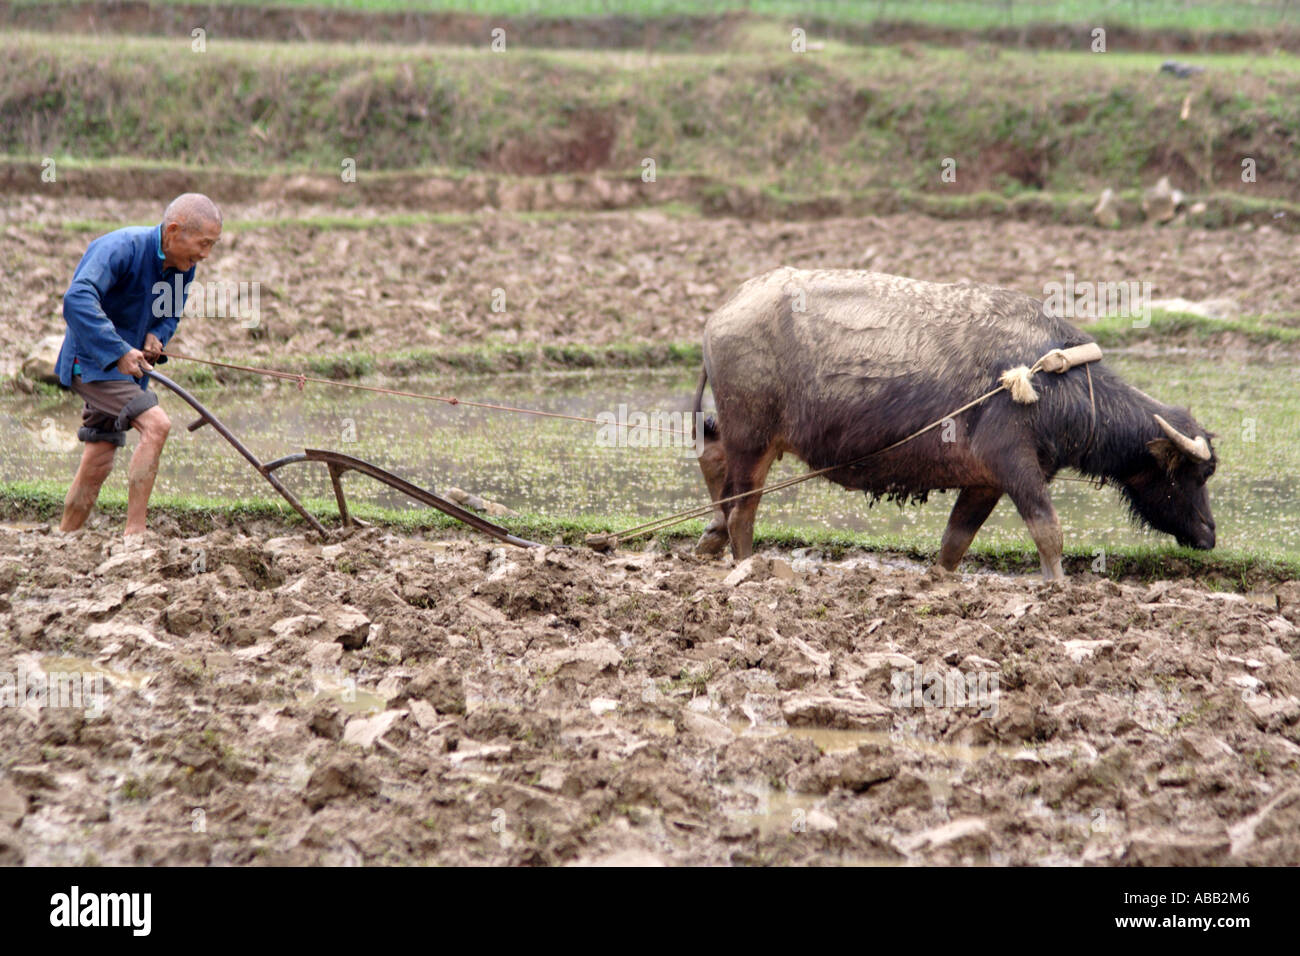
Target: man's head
191,227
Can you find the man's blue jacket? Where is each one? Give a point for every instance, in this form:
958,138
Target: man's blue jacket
119,294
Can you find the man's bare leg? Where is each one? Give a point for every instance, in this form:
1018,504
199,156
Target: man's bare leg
96,464
153,426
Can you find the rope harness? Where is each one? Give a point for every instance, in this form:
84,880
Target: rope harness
1017,381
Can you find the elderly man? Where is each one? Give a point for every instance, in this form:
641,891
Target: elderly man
121,311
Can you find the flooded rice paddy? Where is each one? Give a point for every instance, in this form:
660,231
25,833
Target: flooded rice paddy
564,468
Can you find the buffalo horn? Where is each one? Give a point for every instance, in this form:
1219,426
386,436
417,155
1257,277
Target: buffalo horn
1197,449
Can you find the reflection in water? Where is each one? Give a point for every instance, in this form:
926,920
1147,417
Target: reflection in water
350,698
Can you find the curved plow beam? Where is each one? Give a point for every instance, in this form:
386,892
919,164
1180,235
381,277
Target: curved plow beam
338,464
207,418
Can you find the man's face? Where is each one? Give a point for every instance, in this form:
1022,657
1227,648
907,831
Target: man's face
184,246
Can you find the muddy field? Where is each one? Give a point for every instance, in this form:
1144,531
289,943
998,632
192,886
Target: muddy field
596,279
382,699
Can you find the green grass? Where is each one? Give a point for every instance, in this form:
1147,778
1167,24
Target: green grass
332,222
487,359
1223,210
965,14
708,196
845,121
1171,326
1233,569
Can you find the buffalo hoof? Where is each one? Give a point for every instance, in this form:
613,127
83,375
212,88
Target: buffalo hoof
713,541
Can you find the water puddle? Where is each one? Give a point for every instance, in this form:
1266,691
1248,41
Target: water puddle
351,699
84,665
776,811
659,727
842,741
833,740
839,740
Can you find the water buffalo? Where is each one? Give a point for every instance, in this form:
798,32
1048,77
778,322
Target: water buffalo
832,365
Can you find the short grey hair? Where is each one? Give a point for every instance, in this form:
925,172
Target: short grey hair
191,211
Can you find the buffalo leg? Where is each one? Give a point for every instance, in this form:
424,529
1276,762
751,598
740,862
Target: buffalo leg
1036,509
973,507
745,473
713,462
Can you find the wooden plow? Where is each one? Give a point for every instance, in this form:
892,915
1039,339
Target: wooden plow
338,464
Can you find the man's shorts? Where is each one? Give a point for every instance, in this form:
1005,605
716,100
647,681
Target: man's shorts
110,409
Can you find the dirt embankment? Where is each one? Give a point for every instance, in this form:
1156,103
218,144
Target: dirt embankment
386,700
421,192
703,32
596,280
791,137
539,191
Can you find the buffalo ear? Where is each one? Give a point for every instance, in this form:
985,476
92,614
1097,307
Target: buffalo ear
1166,453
